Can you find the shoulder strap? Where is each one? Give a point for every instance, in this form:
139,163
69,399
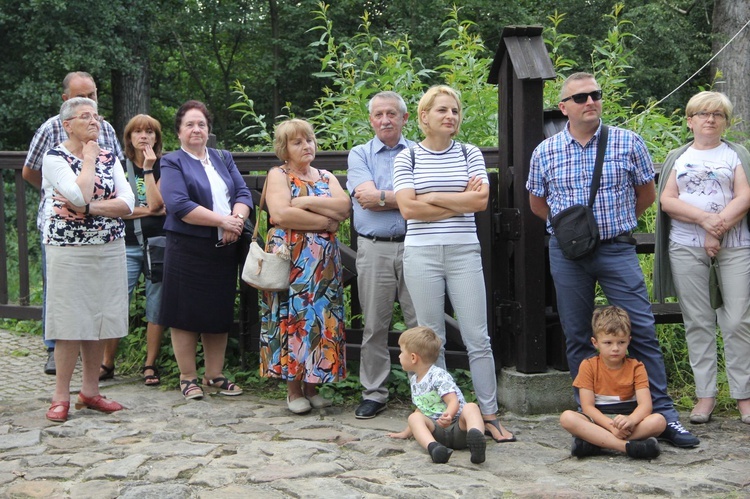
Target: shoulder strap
133,185
411,151
599,165
260,208
463,150
262,202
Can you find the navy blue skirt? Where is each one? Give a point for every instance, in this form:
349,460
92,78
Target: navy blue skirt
200,281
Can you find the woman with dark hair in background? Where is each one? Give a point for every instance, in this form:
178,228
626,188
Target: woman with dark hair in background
143,147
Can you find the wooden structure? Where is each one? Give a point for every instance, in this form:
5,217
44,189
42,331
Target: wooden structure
520,68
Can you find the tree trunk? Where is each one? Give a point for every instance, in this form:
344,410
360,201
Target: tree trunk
131,95
274,15
734,62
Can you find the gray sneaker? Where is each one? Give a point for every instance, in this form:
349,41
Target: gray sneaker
50,367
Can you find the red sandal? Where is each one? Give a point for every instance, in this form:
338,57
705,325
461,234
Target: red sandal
97,403
58,416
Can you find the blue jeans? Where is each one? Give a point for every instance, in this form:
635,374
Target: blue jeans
135,258
616,268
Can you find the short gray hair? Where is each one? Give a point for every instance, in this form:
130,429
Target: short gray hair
388,95
68,108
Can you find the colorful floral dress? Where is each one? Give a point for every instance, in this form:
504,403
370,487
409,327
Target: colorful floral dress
302,329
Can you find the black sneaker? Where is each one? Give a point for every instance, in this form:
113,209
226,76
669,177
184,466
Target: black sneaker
678,436
49,366
439,452
368,409
477,445
643,449
582,448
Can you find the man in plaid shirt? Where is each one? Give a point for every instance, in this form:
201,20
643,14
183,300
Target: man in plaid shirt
561,171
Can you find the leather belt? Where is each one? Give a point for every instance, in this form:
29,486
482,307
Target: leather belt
625,237
391,239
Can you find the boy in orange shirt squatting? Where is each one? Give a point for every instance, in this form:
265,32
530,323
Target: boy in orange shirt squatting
443,420
616,410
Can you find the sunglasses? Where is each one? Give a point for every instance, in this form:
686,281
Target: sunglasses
582,98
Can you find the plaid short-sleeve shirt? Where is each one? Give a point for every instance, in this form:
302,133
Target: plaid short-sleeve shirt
562,169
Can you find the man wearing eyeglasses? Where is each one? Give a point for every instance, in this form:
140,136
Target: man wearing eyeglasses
561,171
49,135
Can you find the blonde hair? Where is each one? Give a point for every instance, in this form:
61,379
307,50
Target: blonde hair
709,101
422,341
428,101
610,320
286,131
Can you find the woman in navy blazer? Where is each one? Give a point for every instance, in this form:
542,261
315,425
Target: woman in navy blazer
207,202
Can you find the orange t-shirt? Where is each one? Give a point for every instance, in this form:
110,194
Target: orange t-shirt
611,386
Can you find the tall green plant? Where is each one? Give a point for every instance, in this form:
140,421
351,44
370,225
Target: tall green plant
466,69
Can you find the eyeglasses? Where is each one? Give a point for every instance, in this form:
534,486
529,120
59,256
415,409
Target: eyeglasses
221,244
87,117
582,98
704,115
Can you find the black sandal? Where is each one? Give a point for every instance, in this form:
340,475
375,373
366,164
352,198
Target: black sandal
192,389
496,424
108,372
151,379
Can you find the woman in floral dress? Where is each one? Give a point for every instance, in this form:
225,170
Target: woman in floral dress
302,328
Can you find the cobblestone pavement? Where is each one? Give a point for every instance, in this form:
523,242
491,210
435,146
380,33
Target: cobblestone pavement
165,447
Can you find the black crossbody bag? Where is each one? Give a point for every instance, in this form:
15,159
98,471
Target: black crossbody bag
153,247
575,227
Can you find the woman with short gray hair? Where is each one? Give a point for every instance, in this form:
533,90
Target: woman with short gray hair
86,193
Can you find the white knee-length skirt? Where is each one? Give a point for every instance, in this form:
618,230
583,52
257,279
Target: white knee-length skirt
87,292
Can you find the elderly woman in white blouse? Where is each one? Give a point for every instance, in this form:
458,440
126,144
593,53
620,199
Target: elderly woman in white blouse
86,193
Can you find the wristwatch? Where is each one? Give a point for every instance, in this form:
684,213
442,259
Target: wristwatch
382,199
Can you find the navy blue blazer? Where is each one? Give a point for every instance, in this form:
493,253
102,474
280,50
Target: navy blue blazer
185,186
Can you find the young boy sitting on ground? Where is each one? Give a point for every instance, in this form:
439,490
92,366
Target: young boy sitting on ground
612,383
443,420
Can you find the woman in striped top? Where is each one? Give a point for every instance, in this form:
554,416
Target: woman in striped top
439,185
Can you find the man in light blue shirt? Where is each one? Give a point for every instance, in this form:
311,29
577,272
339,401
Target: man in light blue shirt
380,245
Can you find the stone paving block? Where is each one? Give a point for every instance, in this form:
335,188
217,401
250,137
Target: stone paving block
275,473
165,491
42,489
182,448
242,492
51,473
20,439
172,469
116,468
95,489
212,476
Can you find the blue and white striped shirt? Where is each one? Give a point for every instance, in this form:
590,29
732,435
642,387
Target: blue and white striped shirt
562,169
444,171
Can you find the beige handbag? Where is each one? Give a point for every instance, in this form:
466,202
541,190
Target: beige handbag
262,270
